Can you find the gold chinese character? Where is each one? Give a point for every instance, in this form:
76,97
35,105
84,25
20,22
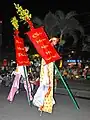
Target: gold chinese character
19,48
39,41
44,46
49,52
18,42
35,35
49,58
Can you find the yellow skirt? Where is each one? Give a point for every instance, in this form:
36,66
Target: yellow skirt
46,78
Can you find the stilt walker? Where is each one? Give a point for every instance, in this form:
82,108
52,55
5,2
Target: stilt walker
43,98
22,61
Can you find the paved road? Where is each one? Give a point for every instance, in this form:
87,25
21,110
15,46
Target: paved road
63,110
80,88
77,84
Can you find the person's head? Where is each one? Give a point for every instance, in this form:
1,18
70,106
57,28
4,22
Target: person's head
54,40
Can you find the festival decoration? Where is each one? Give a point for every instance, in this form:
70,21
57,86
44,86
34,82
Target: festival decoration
21,55
24,14
42,44
14,22
39,38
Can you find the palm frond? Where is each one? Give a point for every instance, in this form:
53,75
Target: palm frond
70,14
81,29
54,31
37,21
85,48
75,37
60,15
72,23
72,33
50,21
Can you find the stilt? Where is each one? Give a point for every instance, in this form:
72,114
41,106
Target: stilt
26,78
41,113
67,88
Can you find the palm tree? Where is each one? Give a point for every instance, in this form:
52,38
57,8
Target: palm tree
61,24
37,21
65,24
68,24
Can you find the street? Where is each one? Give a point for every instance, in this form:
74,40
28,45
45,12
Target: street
80,88
63,110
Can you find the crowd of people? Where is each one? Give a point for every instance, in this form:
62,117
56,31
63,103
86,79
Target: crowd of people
6,71
68,72
76,72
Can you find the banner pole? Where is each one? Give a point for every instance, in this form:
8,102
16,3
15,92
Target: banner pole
67,88
26,77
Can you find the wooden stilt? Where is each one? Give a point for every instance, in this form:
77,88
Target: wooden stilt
67,88
26,78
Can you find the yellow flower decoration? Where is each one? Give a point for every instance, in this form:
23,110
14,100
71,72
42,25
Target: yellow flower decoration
23,14
14,22
35,55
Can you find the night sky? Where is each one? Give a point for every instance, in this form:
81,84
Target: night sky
40,8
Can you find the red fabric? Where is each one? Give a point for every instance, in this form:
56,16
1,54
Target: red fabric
21,55
43,46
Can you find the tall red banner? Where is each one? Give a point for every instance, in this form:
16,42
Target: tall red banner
21,55
43,46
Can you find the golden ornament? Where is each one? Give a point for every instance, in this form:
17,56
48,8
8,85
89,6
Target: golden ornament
14,22
23,13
